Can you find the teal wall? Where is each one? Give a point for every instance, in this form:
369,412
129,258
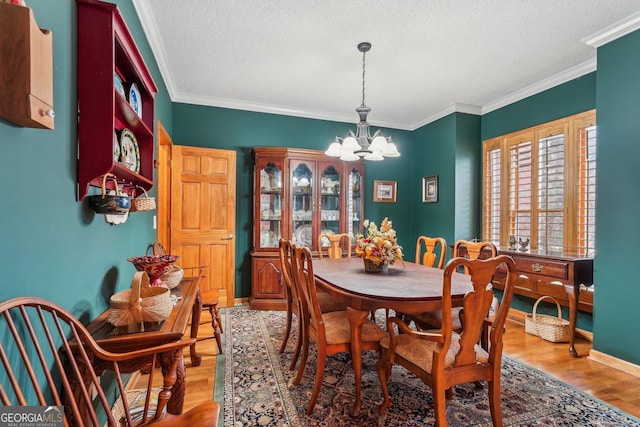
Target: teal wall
450,148
55,247
618,199
51,245
570,98
242,130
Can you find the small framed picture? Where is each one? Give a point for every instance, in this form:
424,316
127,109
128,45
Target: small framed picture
384,191
430,189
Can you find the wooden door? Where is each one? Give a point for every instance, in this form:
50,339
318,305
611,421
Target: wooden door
202,216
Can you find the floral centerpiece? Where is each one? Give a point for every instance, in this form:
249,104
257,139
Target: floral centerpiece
379,247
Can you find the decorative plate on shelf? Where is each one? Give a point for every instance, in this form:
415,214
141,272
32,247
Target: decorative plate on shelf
116,147
117,83
134,99
303,235
129,151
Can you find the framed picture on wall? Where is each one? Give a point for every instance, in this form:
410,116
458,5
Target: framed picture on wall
384,191
430,189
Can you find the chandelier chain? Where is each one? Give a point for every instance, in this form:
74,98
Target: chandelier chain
363,68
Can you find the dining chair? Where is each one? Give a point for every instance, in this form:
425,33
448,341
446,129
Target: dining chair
292,300
212,306
49,358
434,253
334,245
462,248
444,358
330,331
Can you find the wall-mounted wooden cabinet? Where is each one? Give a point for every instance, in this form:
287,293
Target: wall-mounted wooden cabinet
26,69
298,194
116,122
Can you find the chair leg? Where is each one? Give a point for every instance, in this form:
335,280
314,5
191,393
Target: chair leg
322,356
296,353
287,329
216,322
303,358
440,406
494,403
384,373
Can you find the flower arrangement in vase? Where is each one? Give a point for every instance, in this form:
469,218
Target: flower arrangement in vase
379,247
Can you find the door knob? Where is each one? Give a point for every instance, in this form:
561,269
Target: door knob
228,237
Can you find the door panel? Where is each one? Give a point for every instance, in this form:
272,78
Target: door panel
202,223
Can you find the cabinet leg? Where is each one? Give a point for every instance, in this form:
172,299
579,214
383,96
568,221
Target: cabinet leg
573,293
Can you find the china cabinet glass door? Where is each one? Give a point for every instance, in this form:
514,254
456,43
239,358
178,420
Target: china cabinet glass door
270,205
302,205
354,204
330,187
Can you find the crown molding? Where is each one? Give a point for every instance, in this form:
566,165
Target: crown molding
548,83
613,32
153,37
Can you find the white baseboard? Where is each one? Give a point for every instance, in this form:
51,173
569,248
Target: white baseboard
614,362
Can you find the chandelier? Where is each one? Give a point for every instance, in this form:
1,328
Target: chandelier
362,144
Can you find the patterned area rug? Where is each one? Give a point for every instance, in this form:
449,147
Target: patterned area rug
258,389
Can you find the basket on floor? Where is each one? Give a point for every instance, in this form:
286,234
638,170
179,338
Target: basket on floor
550,328
141,303
142,202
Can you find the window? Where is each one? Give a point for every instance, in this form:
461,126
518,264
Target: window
539,183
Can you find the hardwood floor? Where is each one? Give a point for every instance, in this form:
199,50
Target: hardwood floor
610,385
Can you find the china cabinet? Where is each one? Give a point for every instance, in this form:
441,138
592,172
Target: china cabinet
298,194
115,102
26,69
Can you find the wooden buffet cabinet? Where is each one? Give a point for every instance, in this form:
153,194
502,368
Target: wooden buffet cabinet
559,275
298,194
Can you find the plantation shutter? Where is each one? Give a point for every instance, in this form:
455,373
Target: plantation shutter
520,185
586,190
492,179
539,183
551,194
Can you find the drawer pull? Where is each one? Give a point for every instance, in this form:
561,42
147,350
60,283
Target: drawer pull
537,267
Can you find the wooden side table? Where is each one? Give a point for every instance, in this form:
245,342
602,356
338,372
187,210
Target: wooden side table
139,336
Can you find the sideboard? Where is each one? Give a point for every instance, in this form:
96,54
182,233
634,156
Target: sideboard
559,275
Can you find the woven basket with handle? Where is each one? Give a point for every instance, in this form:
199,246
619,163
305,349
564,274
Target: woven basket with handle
141,303
550,328
142,202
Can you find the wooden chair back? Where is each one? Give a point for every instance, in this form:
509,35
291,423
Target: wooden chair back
292,300
455,357
339,245
326,330
435,251
47,357
474,250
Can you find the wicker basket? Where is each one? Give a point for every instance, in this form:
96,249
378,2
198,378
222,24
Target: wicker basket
142,203
554,329
141,303
173,277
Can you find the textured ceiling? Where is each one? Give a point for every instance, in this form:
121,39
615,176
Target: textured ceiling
429,57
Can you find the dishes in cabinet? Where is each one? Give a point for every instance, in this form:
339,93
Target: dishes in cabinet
303,235
116,147
117,83
134,99
129,151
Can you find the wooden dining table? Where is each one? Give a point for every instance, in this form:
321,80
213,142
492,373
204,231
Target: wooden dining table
406,287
